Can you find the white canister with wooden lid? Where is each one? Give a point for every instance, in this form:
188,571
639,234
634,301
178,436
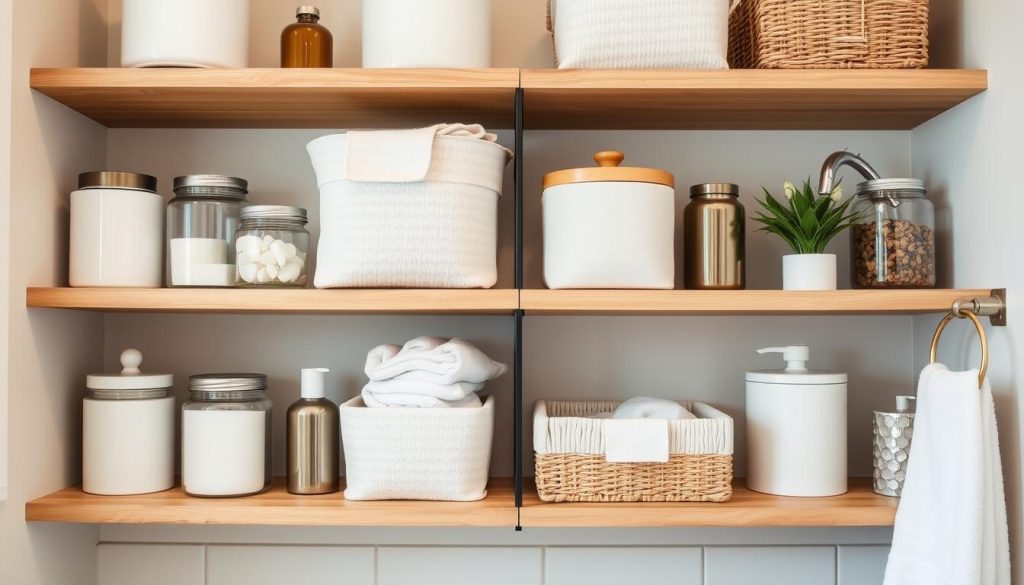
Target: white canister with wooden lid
609,226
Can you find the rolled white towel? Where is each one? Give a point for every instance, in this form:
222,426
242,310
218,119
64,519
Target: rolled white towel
375,400
456,391
453,361
644,407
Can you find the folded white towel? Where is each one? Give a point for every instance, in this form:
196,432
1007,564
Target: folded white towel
453,361
644,407
395,400
400,156
951,524
454,391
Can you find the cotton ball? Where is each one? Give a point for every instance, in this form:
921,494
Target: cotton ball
267,258
289,272
282,251
262,276
265,243
272,270
248,271
248,245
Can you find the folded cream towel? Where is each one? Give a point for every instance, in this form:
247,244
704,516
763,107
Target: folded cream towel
454,391
951,526
400,156
394,400
644,407
453,361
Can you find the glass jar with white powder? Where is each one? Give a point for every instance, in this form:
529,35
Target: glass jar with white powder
225,436
201,223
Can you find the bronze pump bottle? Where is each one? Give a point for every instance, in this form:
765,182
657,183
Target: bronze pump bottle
307,43
313,438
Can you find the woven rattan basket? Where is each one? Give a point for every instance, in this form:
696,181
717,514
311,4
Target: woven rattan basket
570,464
829,34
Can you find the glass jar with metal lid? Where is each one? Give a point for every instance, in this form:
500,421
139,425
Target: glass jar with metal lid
226,436
714,248
271,245
201,223
893,241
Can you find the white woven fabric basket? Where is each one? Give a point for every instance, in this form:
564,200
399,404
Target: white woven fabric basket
416,453
649,34
439,231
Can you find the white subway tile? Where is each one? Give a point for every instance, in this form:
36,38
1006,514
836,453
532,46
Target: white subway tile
779,565
274,565
862,565
150,564
458,566
618,565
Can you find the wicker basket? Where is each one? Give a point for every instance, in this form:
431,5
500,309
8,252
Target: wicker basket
829,34
570,464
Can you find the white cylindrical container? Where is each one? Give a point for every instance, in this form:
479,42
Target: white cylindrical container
128,431
809,272
609,226
185,33
438,33
796,428
117,230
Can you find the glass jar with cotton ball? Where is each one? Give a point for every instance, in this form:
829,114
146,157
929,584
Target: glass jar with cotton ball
271,246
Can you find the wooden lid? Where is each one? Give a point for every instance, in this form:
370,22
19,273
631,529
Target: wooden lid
608,169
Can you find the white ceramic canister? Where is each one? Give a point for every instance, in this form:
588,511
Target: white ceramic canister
128,431
609,226
796,428
417,33
185,33
117,230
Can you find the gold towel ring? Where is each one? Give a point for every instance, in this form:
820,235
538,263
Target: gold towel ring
961,313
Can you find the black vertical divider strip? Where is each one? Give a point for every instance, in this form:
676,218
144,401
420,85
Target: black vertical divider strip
517,370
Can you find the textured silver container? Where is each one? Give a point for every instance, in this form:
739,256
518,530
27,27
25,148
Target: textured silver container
893,433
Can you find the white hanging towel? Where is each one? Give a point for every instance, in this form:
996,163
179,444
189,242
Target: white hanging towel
421,360
951,523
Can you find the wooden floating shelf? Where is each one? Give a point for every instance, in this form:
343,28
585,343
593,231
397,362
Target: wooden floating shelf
274,508
292,301
858,507
554,99
740,302
283,98
744,99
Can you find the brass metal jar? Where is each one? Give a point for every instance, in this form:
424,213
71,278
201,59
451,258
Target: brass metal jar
714,254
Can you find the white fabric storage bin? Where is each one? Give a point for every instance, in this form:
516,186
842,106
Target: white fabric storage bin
652,34
609,227
416,453
409,209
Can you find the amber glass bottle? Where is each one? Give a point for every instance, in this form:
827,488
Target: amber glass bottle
307,43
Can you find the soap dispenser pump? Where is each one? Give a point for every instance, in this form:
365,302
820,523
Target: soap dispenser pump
796,428
313,437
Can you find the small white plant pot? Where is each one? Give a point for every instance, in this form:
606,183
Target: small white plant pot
809,272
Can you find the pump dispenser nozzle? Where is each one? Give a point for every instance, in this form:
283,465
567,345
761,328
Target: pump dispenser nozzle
796,356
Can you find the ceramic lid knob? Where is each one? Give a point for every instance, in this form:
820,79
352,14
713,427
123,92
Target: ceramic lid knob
131,359
609,158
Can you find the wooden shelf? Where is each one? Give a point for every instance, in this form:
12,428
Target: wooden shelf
740,302
274,508
294,301
283,98
859,507
744,98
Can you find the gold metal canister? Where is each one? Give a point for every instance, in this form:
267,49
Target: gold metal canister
714,254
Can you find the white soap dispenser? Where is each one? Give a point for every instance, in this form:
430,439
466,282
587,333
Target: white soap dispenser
796,428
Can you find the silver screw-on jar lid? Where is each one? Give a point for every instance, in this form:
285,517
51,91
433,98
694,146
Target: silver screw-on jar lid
282,212
310,10
116,180
889,185
211,185
227,382
715,189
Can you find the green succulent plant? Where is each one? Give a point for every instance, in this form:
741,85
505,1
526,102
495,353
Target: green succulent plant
806,221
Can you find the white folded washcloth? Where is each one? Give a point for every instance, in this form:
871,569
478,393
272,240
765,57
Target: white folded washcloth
420,360
644,407
396,400
454,391
951,524
400,156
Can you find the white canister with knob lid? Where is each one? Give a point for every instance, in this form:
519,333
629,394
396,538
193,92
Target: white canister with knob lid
128,431
796,428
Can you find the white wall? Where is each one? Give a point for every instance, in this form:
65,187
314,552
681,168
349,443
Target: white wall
6,14
970,159
48,352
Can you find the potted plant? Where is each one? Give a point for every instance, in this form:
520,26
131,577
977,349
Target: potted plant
807,222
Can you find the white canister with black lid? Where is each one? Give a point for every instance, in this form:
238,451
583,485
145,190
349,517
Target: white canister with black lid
128,431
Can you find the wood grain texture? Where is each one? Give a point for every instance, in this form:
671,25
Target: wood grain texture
744,98
294,301
859,507
740,302
274,508
283,98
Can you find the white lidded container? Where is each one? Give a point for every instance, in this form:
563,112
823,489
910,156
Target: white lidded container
408,208
117,230
185,33
128,431
434,33
796,428
609,226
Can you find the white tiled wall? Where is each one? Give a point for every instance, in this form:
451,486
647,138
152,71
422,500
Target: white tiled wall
196,564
